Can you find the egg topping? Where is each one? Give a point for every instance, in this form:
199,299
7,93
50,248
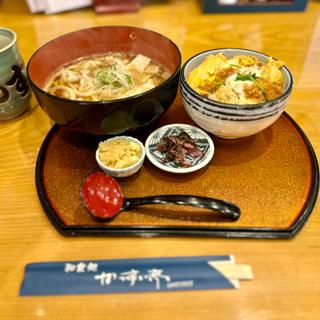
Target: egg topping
242,79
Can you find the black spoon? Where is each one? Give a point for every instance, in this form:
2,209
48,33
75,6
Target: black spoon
103,197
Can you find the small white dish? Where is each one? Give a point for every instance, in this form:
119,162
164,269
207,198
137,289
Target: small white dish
126,171
202,139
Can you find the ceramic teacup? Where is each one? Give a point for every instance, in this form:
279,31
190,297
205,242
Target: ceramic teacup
15,93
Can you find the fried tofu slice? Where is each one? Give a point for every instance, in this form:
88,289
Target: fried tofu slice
139,63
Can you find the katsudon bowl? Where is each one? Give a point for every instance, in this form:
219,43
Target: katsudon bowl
232,120
107,113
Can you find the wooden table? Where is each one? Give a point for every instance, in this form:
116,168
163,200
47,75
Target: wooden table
286,283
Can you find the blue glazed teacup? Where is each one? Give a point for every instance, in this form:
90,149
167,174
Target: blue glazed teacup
15,93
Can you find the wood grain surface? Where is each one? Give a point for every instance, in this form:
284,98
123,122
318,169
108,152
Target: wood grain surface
286,272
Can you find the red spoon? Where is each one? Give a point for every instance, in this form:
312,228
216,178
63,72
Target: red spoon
103,197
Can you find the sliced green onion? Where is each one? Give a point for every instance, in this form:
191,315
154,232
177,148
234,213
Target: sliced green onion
246,77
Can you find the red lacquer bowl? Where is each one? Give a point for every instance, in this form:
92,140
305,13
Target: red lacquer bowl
107,117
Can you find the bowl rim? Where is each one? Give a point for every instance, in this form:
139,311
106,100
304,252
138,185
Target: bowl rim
135,165
103,102
215,103
12,37
197,167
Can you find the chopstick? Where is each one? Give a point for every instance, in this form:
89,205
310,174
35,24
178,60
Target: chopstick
233,271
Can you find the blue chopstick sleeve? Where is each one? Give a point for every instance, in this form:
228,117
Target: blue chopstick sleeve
123,275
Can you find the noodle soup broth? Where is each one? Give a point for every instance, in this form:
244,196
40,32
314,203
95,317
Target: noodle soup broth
111,76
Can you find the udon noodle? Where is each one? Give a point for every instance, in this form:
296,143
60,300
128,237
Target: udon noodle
108,77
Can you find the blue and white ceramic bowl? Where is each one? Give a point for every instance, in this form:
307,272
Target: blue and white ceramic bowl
231,121
201,138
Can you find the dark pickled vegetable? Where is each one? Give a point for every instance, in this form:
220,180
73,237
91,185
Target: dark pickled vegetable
178,148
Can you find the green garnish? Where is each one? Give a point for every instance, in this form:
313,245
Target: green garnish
116,84
115,77
246,77
129,79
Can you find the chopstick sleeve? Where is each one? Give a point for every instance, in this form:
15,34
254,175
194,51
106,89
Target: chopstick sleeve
130,275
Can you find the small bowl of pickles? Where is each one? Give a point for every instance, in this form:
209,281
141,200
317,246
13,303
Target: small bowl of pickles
120,156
